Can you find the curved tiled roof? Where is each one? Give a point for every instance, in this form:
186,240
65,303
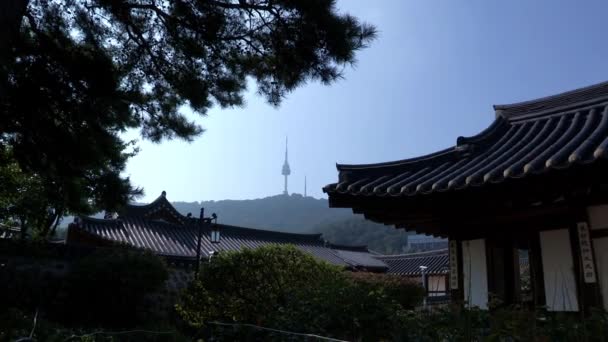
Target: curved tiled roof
137,227
360,259
527,138
160,204
437,262
590,94
170,239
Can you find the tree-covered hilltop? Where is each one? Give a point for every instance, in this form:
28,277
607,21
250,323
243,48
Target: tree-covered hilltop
358,231
299,214
294,213
75,75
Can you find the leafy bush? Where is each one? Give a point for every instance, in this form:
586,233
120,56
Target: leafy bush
281,287
504,324
409,294
355,231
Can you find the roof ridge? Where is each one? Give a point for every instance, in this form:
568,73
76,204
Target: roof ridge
352,262
95,219
396,163
142,234
438,252
157,199
318,235
450,151
498,123
594,92
160,203
310,236
357,248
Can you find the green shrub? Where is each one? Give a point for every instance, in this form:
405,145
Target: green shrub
281,287
505,324
407,293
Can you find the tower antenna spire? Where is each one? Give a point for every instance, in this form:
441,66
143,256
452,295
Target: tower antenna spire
286,171
304,186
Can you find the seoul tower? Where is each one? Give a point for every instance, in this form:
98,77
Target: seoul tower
286,170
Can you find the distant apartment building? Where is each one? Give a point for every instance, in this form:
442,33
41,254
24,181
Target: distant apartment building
421,243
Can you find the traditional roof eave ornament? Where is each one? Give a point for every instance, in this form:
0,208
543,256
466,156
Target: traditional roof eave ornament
160,206
498,113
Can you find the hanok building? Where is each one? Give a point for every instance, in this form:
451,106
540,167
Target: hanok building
534,180
430,268
160,228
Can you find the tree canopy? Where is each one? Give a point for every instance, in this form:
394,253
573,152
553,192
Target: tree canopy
357,232
281,287
76,74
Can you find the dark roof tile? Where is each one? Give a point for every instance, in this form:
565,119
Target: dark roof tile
527,138
437,262
582,96
141,227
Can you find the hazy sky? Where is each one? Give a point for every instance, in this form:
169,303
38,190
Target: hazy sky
433,74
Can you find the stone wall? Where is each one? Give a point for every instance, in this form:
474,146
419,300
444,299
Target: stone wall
46,261
163,302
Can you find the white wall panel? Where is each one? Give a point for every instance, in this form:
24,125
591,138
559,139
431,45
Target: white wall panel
437,283
475,273
558,270
600,246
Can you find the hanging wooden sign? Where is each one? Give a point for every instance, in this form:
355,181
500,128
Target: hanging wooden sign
584,240
453,265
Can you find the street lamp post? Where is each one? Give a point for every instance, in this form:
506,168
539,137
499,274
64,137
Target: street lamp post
198,240
213,231
214,236
424,285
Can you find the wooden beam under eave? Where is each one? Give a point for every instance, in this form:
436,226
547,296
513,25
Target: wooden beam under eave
471,215
520,227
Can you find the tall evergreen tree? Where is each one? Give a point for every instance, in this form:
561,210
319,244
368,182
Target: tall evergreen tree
75,74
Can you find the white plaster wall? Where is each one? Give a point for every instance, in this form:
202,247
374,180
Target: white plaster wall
475,273
558,270
436,283
598,216
600,246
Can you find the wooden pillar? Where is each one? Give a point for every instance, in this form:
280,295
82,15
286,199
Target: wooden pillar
600,256
597,216
537,282
584,267
503,270
495,271
512,284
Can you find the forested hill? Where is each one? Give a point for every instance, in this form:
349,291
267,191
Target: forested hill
293,213
299,214
357,231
